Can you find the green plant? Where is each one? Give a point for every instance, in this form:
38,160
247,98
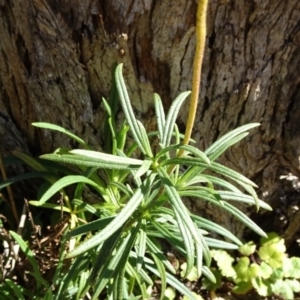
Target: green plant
118,239
268,270
67,280
139,204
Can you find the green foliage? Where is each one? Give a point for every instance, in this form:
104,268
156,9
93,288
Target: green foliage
115,243
269,270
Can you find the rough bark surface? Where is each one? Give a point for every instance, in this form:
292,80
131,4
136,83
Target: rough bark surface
56,60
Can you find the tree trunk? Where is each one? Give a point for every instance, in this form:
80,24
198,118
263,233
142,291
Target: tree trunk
57,57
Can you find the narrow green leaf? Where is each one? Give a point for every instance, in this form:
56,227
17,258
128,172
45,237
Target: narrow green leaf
225,139
205,249
188,243
138,280
208,274
51,206
144,139
60,263
117,222
91,226
166,234
62,130
82,284
121,187
228,144
211,226
222,183
117,262
127,108
108,158
141,245
30,161
26,176
218,168
171,118
249,189
227,195
144,168
162,274
174,282
188,148
29,254
107,107
80,160
118,283
78,264
62,183
214,243
193,181
230,208
160,255
105,254
122,137
15,288
83,206
189,176
199,258
177,203
160,115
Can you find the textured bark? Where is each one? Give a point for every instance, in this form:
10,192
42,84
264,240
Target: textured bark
56,60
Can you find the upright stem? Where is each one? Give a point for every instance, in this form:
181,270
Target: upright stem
200,44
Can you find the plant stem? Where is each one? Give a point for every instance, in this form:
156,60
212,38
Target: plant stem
200,44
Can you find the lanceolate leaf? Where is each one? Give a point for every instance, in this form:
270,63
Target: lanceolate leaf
189,149
227,195
30,256
16,289
162,274
25,176
171,118
108,158
225,141
61,184
78,264
145,139
178,205
209,225
51,206
214,243
81,160
230,208
160,255
117,222
142,238
30,161
160,115
116,262
106,252
62,130
223,147
216,167
91,226
174,282
188,243
127,108
144,168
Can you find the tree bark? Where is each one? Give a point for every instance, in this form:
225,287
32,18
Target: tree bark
57,57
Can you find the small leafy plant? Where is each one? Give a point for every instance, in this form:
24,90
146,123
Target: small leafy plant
118,239
126,206
267,270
